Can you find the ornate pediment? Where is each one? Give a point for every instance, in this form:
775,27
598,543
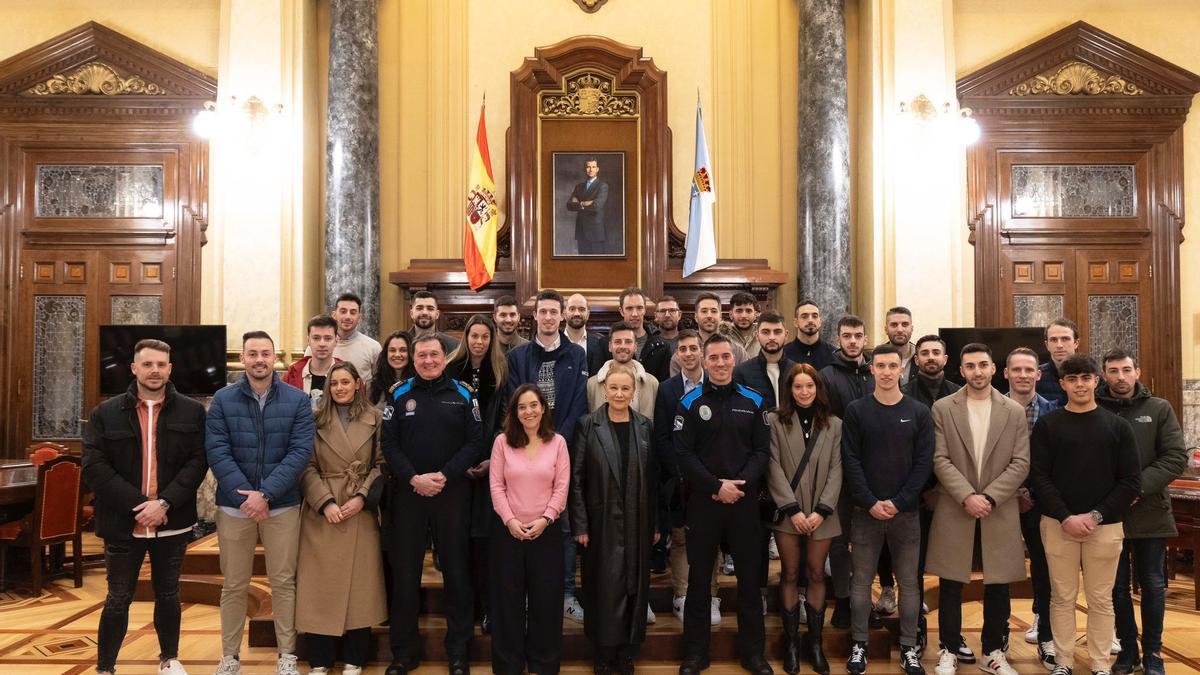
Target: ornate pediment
1083,67
94,68
1076,79
588,94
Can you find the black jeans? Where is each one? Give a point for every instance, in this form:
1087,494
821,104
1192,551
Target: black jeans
527,600
356,648
1149,559
123,561
709,523
1039,573
997,605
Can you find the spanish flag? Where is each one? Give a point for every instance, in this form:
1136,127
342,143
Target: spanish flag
479,239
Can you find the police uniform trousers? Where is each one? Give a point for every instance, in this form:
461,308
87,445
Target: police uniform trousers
448,514
709,524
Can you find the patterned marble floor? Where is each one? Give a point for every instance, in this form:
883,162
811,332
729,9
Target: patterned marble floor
56,633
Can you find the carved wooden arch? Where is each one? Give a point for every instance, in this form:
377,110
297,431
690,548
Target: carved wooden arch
545,72
1082,90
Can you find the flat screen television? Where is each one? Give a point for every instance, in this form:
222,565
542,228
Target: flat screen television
1001,340
197,357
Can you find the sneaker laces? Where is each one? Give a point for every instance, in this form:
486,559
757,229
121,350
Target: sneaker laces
910,657
947,658
857,652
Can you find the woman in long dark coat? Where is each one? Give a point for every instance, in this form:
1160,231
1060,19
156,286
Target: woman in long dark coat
479,362
612,509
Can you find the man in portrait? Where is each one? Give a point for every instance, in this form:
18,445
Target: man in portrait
588,200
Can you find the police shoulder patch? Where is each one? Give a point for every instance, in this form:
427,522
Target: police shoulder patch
387,412
678,422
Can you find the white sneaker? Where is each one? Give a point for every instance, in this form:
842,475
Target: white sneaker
319,670
995,663
173,667
1116,647
727,567
650,617
229,665
572,610
887,602
677,606
351,670
286,665
1031,634
714,612
947,663
772,549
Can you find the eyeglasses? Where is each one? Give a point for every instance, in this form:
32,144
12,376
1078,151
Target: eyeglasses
666,311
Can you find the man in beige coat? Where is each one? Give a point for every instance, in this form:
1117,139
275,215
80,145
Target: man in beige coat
622,343
981,458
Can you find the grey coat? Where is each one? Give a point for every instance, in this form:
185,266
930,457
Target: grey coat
1005,466
821,483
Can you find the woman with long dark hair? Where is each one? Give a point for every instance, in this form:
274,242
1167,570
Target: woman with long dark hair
479,362
394,364
613,504
805,479
529,477
339,574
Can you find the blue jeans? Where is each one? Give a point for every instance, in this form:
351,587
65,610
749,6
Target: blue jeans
570,551
1149,558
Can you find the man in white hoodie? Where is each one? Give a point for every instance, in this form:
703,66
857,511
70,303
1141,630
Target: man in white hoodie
622,344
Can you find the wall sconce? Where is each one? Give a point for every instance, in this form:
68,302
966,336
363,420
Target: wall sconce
249,116
926,111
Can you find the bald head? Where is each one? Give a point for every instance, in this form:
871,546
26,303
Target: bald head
576,312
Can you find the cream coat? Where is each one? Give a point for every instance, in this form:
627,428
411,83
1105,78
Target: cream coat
1005,466
645,389
822,479
339,575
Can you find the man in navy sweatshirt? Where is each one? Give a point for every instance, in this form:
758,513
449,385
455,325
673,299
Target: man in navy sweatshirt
887,455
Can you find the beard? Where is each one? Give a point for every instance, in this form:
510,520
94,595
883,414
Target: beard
576,322
424,322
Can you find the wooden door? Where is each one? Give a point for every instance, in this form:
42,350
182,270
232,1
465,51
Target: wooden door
1113,297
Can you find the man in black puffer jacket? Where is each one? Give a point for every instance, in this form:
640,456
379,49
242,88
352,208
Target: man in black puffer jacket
143,457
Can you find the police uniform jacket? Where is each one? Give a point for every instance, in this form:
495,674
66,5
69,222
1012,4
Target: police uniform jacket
432,426
721,432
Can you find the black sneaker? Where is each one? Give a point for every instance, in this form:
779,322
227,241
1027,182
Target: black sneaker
910,661
1125,667
964,653
1061,670
857,663
1046,654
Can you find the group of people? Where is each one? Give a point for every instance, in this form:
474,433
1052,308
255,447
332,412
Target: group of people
709,448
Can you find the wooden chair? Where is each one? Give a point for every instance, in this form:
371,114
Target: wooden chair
57,518
45,451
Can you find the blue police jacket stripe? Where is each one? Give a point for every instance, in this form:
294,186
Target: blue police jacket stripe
466,393
690,398
750,394
402,389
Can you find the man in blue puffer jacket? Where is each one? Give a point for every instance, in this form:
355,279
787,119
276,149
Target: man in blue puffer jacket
259,440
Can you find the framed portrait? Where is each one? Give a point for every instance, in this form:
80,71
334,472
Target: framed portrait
589,204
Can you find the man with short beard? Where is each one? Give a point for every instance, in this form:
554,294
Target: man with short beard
666,317
650,351
930,384
622,343
743,314
358,348
708,324
808,347
507,316
424,314
898,326
594,345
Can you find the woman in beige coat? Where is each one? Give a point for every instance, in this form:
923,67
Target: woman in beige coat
805,479
339,575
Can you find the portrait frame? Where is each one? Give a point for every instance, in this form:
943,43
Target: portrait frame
570,232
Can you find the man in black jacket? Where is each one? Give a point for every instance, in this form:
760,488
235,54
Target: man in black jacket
1149,524
143,457
432,433
652,351
808,347
764,372
1062,340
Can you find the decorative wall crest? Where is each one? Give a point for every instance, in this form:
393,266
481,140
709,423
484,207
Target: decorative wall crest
1076,78
589,94
96,78
590,6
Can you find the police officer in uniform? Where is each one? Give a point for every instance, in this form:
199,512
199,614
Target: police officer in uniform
431,436
723,444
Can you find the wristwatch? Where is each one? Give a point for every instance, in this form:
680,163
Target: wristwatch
549,520
1097,516
164,504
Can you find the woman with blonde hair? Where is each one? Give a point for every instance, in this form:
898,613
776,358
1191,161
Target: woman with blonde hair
339,572
805,479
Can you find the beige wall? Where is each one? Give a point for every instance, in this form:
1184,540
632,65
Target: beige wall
182,29
986,30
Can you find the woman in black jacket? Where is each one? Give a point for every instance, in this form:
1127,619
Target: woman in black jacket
612,509
479,363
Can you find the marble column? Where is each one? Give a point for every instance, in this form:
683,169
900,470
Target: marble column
823,199
352,158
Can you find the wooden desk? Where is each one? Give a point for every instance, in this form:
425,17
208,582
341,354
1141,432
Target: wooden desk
18,482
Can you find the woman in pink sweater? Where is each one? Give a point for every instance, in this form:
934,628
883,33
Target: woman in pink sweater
530,474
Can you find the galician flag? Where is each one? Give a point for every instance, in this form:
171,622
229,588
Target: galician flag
701,238
479,240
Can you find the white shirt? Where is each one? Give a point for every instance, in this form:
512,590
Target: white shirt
979,416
